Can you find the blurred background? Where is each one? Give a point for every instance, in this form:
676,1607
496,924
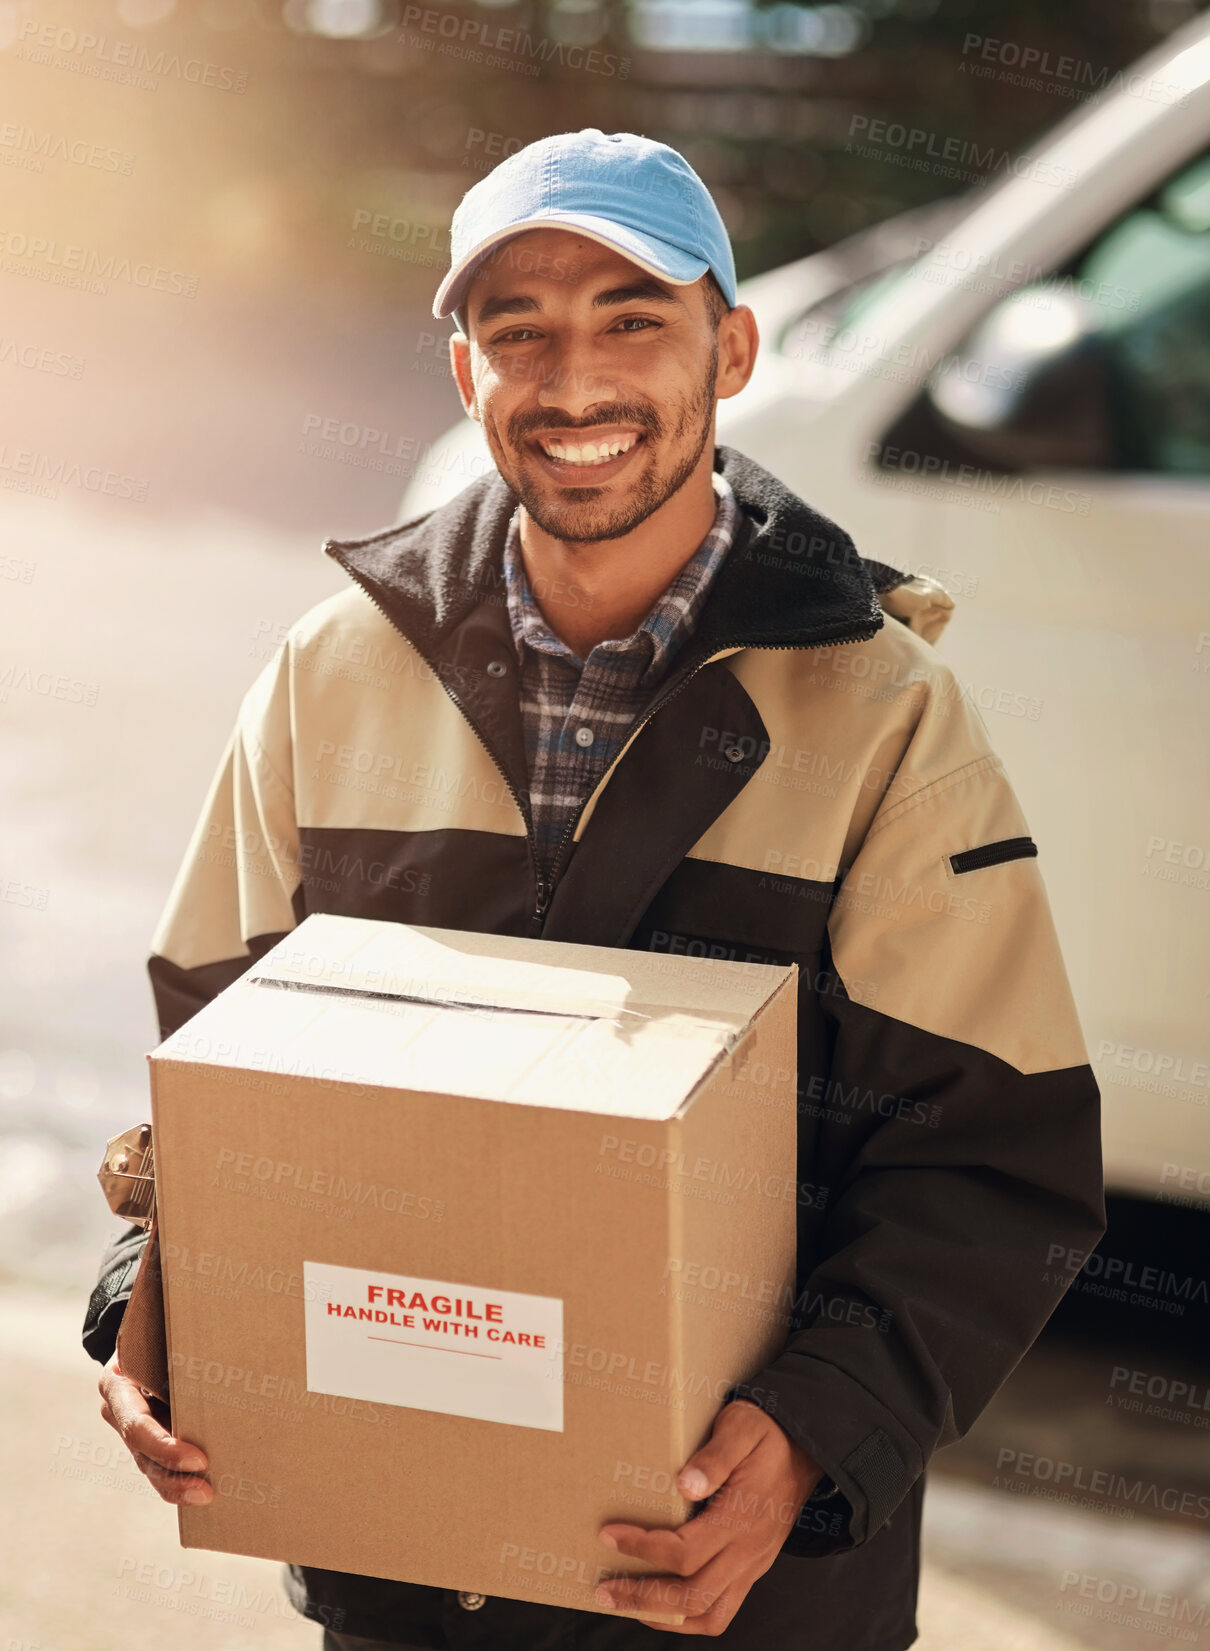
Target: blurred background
977,242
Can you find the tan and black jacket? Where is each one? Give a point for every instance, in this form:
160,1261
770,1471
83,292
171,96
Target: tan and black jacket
809,784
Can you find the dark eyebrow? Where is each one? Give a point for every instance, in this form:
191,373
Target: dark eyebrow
646,291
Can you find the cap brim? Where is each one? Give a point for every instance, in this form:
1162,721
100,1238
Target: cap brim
657,257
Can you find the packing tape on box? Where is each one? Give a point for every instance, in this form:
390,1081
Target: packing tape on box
664,1023
575,1010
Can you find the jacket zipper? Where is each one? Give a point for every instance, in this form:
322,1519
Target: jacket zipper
546,891
861,634
544,887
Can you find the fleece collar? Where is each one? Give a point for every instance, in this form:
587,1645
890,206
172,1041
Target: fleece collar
791,580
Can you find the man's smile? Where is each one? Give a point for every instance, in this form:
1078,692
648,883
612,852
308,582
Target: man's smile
587,454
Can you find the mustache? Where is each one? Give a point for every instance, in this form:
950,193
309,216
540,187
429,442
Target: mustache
553,419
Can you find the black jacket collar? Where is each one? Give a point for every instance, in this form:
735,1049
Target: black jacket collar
792,578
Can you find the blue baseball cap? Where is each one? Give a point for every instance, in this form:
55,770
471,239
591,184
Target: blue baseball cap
628,192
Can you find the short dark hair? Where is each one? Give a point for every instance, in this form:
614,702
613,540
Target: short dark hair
716,300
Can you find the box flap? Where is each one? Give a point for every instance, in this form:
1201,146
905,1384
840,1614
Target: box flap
445,1011
402,960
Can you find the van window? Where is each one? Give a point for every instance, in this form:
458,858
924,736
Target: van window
1140,365
1158,344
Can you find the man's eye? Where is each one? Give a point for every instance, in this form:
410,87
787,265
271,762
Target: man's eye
628,323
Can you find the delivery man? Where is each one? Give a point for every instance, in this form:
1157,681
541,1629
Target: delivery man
632,691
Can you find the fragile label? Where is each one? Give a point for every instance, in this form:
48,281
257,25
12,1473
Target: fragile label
428,1344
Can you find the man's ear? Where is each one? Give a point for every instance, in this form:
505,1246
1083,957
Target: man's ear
739,341
460,366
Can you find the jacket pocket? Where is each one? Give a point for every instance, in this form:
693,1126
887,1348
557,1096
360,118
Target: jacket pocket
991,854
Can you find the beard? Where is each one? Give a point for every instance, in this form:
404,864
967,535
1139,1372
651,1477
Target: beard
579,515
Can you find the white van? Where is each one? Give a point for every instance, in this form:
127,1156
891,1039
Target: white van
1010,393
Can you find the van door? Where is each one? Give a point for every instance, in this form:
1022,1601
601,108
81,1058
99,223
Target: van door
1071,491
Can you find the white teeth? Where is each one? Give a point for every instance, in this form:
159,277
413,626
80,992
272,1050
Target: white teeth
589,453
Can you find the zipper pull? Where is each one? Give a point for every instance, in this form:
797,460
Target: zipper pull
542,888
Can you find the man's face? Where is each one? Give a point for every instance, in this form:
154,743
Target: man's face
577,353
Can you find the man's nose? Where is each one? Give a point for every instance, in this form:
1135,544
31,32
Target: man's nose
574,385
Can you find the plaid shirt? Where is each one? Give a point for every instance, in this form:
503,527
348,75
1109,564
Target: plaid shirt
578,713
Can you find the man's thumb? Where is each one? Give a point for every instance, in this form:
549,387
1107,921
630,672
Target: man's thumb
717,1460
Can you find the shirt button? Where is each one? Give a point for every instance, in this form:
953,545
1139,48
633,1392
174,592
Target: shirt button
584,736
472,1602
496,667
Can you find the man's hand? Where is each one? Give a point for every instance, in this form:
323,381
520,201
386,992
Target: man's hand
172,1465
757,1480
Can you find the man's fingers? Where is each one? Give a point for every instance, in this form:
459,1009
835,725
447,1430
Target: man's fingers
145,1435
731,1512
694,1594
738,1429
131,1414
173,1487
680,1552
170,1486
710,1622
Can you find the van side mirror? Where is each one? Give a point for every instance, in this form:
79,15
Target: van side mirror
1030,387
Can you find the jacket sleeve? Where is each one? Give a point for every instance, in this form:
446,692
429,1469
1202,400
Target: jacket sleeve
237,893
957,1072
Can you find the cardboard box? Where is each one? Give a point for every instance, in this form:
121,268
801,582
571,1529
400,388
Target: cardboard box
464,1238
